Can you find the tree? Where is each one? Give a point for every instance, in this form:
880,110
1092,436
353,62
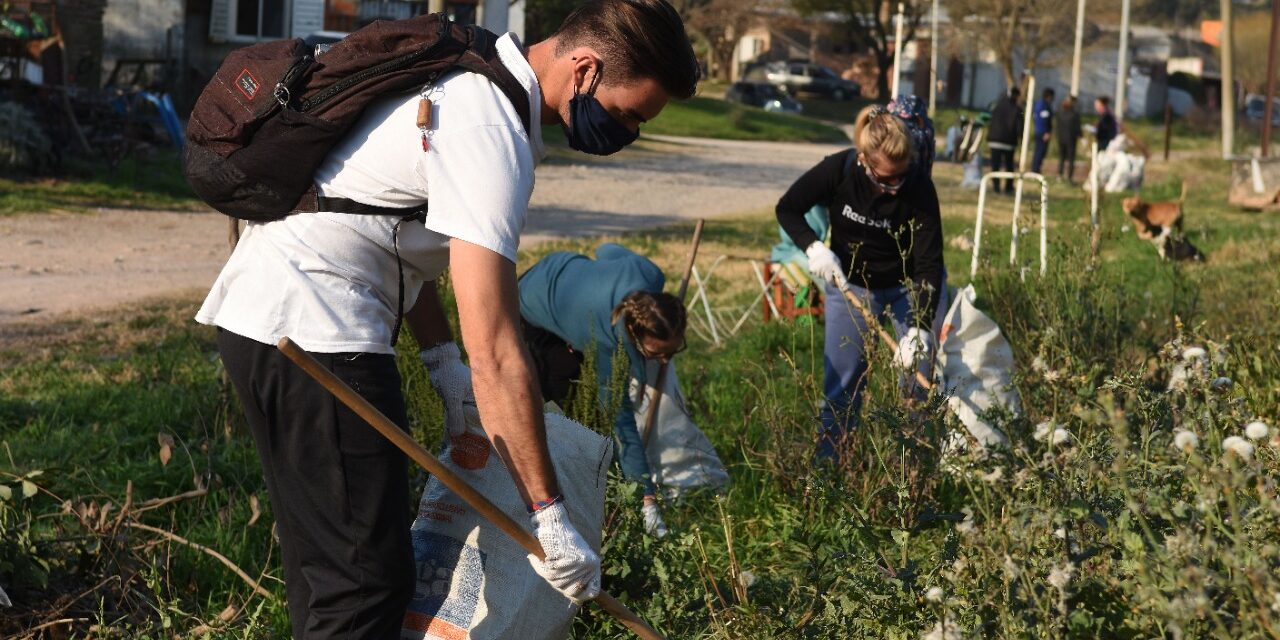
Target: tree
1016,28
720,25
868,26
543,17
1252,32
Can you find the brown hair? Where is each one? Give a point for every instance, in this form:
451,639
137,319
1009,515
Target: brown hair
636,39
876,130
656,315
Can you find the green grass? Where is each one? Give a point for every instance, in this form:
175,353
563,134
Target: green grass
1141,537
712,118
154,182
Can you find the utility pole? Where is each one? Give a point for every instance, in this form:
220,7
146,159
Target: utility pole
1075,59
1122,61
1271,78
1228,83
933,61
897,54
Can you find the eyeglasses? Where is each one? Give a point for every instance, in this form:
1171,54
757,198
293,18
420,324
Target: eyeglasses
659,356
890,184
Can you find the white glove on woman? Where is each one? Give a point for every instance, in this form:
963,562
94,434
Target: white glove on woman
653,523
452,380
914,346
823,263
570,565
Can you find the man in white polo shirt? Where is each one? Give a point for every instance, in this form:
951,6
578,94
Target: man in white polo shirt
332,282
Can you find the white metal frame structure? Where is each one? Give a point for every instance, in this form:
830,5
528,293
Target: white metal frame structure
1013,242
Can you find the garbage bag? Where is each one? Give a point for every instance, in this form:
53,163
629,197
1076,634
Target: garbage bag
680,455
976,366
473,580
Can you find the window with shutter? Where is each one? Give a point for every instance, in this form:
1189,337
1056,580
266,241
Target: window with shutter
219,20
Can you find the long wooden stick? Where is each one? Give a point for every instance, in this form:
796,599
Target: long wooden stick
874,324
420,455
651,420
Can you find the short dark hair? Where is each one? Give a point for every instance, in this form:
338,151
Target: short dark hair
1104,100
1048,93
637,39
1014,92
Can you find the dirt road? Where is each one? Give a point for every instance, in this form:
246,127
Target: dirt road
54,265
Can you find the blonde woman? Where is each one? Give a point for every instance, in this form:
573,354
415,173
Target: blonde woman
886,248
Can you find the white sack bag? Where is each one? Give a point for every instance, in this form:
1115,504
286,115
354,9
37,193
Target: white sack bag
473,580
680,455
976,365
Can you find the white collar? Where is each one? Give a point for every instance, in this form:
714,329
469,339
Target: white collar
511,54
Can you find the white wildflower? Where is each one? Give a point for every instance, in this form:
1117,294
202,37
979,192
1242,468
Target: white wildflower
934,594
995,475
1052,375
1124,228
1060,436
1194,353
1275,602
1060,577
1221,383
1060,533
1011,570
1186,441
1043,430
944,630
1256,430
1038,364
1239,446
966,526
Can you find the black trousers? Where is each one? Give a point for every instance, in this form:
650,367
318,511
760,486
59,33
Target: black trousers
556,363
1066,160
1002,160
339,490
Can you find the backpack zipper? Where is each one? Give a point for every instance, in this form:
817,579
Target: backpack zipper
388,66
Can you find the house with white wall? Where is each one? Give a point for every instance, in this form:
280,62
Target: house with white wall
190,38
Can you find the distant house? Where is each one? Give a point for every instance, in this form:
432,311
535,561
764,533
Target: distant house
184,41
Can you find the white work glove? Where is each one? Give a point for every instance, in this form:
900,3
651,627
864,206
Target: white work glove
824,264
653,523
570,565
452,380
916,345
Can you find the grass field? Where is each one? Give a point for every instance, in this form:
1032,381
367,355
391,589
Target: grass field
1113,532
152,182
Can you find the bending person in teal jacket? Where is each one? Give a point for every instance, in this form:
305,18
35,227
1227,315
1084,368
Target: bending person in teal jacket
571,304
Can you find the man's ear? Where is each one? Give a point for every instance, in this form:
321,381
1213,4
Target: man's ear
587,65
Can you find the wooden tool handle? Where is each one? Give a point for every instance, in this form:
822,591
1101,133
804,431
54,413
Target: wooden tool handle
651,420
420,455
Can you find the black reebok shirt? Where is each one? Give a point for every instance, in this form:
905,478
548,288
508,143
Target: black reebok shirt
882,240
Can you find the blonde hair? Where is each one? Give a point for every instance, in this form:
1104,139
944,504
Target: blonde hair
656,315
876,130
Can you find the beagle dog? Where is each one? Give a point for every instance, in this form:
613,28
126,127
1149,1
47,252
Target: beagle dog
1161,223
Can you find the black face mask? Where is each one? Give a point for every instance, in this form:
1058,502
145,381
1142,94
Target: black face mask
592,129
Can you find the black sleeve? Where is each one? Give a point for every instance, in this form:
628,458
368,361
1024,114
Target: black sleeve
817,185
926,251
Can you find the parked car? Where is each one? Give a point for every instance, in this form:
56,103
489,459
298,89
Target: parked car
763,95
795,77
1255,108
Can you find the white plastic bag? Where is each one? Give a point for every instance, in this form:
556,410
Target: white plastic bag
473,580
680,455
976,365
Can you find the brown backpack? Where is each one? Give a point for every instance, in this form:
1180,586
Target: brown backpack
272,112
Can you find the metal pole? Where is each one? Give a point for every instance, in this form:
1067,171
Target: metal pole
1168,125
1075,58
933,62
897,53
1228,82
1027,133
1122,61
1271,78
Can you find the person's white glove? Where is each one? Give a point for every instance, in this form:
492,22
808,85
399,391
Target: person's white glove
653,523
570,565
452,380
823,263
914,346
